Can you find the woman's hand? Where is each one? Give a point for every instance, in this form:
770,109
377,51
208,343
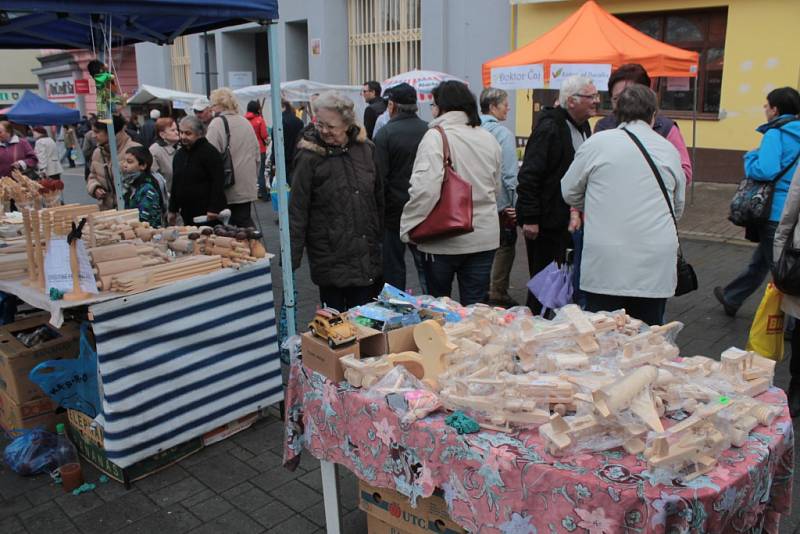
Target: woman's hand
575,221
100,193
531,231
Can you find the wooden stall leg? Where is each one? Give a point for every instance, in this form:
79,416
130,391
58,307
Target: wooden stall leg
330,494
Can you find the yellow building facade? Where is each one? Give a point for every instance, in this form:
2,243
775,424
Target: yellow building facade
748,48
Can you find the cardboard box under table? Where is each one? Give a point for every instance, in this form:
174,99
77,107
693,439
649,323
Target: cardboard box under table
394,509
17,359
31,414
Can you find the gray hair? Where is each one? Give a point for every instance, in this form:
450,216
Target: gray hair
636,102
405,108
191,122
491,96
335,101
571,87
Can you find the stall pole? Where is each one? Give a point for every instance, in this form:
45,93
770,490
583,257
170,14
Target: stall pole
330,493
112,145
694,139
280,166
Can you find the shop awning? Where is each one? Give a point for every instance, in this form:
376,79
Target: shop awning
590,36
71,23
149,94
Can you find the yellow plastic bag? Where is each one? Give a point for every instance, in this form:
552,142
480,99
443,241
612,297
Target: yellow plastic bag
766,332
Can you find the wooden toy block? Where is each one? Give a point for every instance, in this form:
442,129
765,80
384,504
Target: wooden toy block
364,373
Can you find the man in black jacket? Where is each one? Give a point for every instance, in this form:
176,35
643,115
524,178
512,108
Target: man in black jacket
292,126
395,150
541,211
198,178
375,105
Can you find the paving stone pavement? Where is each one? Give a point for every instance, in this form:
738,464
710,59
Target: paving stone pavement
239,485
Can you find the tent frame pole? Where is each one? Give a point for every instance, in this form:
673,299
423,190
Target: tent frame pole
694,140
280,173
112,142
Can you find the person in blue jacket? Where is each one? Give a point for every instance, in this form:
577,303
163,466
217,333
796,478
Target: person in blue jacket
774,160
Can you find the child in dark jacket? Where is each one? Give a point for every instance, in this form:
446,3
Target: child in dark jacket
141,188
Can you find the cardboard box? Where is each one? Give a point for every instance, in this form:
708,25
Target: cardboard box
227,430
88,440
317,355
376,343
31,414
394,509
17,360
376,526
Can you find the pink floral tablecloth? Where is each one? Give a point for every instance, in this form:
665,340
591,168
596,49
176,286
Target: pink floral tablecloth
506,483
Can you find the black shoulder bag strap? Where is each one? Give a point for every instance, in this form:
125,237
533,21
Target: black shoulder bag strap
656,173
227,132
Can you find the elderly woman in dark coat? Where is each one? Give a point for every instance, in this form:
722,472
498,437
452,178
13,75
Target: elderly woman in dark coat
336,209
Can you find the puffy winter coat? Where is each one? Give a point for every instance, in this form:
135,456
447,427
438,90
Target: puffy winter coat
100,173
336,210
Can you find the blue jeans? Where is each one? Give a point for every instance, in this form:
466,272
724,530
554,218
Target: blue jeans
577,251
757,270
394,261
649,310
473,271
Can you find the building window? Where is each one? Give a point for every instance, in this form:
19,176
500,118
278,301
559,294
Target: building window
181,65
700,30
385,38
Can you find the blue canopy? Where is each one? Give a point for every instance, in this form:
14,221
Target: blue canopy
77,24
34,110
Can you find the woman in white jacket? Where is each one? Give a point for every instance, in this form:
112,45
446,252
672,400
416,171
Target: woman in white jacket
476,158
630,248
47,154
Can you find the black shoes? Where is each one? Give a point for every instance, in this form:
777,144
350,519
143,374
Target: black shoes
730,311
794,399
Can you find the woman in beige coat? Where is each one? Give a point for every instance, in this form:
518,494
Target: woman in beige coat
245,154
476,157
789,230
100,184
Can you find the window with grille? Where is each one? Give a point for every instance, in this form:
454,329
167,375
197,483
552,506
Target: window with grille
385,38
700,30
181,65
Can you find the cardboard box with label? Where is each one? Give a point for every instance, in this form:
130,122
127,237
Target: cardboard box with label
376,526
317,355
17,359
394,509
31,414
376,343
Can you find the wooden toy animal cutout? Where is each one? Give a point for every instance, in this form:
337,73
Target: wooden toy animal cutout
428,363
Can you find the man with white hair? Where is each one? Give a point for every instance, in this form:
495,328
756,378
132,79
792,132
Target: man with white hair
147,133
541,211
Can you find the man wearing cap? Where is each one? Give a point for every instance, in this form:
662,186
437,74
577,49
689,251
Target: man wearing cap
202,110
395,150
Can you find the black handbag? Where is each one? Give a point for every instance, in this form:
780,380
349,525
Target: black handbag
687,279
227,157
752,202
786,271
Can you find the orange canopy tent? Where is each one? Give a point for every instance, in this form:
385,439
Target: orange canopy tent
591,35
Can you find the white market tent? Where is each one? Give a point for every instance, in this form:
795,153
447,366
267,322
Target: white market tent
149,94
299,91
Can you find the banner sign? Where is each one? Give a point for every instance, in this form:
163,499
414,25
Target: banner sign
522,77
60,89
599,73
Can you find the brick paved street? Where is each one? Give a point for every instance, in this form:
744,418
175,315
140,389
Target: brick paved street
239,486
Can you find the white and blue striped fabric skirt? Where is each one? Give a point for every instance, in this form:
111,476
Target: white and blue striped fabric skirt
183,359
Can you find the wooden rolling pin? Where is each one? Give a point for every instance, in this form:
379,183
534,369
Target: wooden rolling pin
106,268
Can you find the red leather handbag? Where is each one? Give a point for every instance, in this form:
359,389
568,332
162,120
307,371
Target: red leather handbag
452,214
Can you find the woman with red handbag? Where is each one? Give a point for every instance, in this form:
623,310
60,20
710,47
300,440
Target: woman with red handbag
452,213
